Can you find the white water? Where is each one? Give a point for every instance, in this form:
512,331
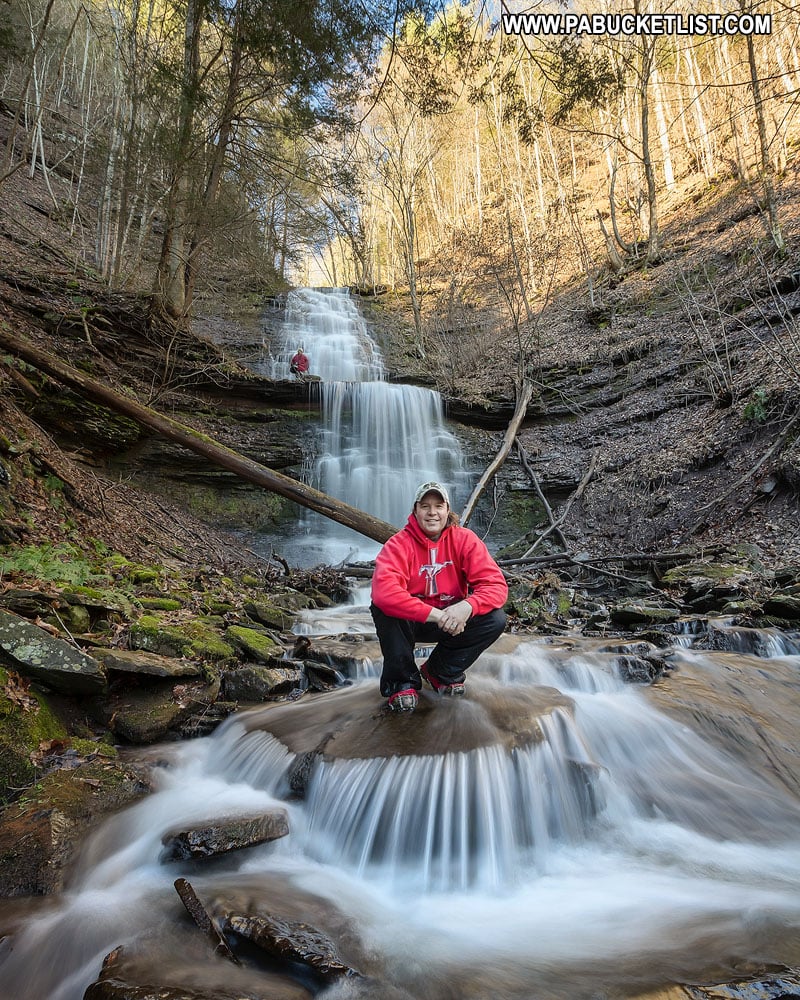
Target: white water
482,874
377,440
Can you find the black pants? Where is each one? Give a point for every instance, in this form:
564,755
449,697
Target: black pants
451,656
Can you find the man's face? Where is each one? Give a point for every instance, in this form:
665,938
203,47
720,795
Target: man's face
431,515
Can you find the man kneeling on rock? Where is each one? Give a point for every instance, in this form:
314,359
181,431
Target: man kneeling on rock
435,582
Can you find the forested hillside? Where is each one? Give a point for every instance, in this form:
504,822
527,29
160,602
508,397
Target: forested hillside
604,224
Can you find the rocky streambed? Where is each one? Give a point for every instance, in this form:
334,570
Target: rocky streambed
97,685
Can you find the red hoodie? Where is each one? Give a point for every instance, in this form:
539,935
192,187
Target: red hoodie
413,573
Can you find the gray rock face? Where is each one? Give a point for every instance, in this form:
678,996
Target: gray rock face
56,663
131,661
253,682
219,836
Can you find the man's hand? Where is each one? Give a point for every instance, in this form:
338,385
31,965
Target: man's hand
453,619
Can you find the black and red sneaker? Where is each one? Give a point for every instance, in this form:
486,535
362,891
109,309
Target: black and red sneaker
403,701
439,686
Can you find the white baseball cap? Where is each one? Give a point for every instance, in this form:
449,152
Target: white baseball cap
431,488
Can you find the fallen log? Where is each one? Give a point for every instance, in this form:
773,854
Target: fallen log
247,469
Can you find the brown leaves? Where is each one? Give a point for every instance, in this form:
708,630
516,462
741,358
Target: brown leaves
16,690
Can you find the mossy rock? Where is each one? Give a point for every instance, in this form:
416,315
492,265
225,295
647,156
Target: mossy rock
148,715
143,574
160,604
215,607
254,644
786,606
196,639
39,834
22,728
715,573
270,615
292,600
100,601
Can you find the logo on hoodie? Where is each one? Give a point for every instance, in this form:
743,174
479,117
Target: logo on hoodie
430,571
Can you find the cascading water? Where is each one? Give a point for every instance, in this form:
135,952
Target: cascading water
377,440
609,848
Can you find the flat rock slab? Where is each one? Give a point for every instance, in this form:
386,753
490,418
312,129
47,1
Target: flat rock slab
352,723
227,833
137,661
50,660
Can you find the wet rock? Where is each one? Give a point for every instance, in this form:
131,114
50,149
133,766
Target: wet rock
741,639
156,975
782,987
131,661
323,677
630,614
228,833
205,721
291,941
636,662
147,715
351,656
785,606
270,615
255,645
636,670
50,660
255,683
351,723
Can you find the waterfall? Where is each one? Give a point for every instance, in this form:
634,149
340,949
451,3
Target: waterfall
377,440
619,846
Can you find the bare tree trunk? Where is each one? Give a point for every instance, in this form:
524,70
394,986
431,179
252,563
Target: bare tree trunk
770,204
201,444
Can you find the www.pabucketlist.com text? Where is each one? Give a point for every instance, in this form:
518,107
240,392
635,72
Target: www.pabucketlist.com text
636,24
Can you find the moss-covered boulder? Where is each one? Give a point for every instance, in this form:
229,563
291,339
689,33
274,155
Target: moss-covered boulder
708,586
270,615
160,604
782,605
155,713
253,644
26,722
197,639
100,603
41,833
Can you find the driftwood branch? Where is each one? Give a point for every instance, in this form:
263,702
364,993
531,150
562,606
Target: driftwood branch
523,398
556,525
632,558
523,457
201,444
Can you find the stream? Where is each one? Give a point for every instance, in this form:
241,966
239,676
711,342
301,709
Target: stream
611,850
558,832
